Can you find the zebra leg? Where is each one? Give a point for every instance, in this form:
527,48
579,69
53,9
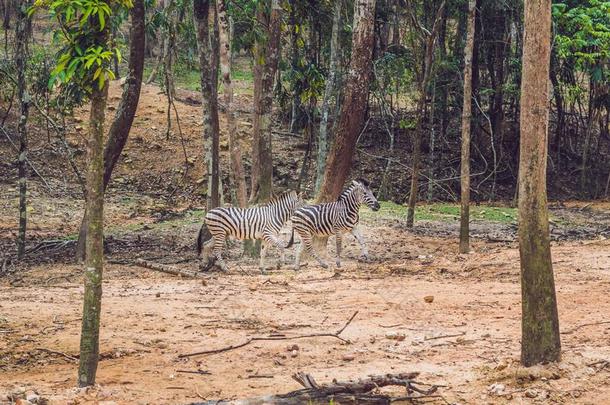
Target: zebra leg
275,241
306,242
219,244
365,253
261,262
338,242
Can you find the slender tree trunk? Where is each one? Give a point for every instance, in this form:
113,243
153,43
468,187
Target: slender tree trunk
262,183
237,168
210,100
22,33
587,142
466,117
540,342
432,145
329,90
339,162
123,119
94,261
429,40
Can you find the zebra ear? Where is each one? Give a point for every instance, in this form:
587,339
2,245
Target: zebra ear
356,183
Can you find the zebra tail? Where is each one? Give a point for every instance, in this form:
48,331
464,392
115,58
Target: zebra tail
291,241
203,236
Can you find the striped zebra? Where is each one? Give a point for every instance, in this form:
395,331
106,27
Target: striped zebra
262,222
333,218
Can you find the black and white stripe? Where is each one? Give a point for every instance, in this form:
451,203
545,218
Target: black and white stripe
262,222
333,218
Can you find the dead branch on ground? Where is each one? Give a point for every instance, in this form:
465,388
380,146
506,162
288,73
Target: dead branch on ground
266,338
361,391
165,268
567,332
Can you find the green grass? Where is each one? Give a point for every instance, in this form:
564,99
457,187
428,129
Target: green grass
443,212
186,77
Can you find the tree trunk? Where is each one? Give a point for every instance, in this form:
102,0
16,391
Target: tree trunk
210,101
123,119
237,168
267,59
540,342
329,90
339,162
466,117
429,39
22,33
94,261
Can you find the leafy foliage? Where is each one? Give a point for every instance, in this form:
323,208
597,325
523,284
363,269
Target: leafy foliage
86,50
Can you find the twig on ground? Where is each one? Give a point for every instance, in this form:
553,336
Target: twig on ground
567,332
444,336
165,268
267,338
202,372
67,356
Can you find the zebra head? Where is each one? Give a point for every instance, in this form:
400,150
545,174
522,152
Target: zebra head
365,195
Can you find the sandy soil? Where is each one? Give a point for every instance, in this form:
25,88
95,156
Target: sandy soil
466,340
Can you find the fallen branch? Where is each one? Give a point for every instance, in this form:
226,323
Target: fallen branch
165,268
67,356
267,338
567,332
445,336
361,391
202,372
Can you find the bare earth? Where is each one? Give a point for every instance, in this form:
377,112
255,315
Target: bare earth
466,339
150,318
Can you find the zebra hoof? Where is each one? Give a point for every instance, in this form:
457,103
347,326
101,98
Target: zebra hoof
364,258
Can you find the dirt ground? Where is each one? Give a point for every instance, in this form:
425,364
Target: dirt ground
466,340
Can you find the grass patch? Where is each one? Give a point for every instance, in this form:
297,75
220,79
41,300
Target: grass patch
443,212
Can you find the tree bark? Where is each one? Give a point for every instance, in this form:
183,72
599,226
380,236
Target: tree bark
329,90
540,342
339,162
237,168
210,101
267,57
429,40
123,119
22,33
94,261
466,117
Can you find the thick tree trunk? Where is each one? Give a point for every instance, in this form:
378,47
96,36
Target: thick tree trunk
22,33
210,101
262,183
540,342
123,119
466,117
339,162
94,261
329,91
237,168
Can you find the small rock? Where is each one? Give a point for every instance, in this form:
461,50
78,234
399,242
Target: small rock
429,299
496,388
294,353
372,339
348,357
252,287
292,347
501,366
531,393
393,335
21,401
204,283
158,294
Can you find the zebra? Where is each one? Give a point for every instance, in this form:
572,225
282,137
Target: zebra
333,219
261,222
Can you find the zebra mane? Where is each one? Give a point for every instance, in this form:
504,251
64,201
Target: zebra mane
281,197
346,192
